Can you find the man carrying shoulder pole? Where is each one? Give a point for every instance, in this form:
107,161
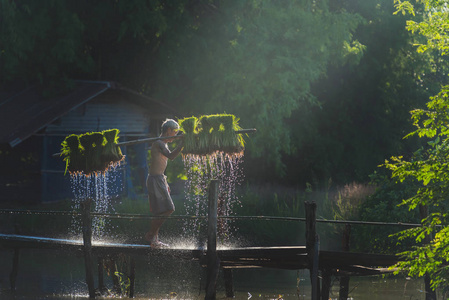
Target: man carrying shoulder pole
161,203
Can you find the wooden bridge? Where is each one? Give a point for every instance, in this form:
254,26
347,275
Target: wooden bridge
322,264
287,257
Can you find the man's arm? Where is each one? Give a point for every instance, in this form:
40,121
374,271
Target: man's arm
167,153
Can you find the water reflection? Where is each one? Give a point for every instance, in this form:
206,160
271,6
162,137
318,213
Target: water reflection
57,274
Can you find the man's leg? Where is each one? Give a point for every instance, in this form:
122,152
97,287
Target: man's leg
152,235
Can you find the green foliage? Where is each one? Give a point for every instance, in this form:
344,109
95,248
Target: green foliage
365,107
428,166
433,27
256,59
384,206
50,42
124,282
40,41
326,83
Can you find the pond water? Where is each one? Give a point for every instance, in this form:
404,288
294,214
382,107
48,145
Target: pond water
54,274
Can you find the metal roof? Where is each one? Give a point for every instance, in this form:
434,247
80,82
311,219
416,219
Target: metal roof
24,113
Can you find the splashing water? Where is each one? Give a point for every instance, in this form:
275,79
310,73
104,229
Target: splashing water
101,188
200,171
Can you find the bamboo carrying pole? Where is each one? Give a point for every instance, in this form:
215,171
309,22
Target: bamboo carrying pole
153,139
148,140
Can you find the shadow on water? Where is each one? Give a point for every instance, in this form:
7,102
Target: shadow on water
59,275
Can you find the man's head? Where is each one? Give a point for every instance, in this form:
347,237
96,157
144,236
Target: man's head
169,126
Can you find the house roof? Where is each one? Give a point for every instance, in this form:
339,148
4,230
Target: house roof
24,113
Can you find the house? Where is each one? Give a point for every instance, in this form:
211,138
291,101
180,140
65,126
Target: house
30,120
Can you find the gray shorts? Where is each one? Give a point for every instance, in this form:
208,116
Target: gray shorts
158,195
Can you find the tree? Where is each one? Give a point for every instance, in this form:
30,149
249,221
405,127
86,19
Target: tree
364,104
429,166
52,42
257,60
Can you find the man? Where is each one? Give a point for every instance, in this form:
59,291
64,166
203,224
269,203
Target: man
161,203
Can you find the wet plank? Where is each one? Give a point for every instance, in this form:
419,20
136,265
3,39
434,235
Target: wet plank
282,257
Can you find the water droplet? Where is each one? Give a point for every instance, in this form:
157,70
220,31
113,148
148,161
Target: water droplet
200,171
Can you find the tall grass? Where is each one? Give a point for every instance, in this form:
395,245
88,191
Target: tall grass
340,203
348,200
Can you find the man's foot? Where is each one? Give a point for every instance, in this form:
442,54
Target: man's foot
158,245
150,238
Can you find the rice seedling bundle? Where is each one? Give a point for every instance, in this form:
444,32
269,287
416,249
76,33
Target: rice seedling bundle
232,142
92,143
111,152
215,137
189,127
204,136
92,152
72,151
210,134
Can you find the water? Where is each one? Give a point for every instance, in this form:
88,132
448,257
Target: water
54,274
200,171
101,188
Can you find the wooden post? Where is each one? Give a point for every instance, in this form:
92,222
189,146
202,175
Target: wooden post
430,294
132,277
344,280
326,285
213,262
87,239
15,269
311,243
315,269
101,286
15,264
228,283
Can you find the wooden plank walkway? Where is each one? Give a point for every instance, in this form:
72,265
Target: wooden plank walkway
281,257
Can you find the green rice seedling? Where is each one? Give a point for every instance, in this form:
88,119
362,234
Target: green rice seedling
189,127
204,136
98,142
216,137
92,152
88,145
232,142
111,154
93,144
210,134
73,155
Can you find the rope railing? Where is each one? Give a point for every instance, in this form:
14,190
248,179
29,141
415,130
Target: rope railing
149,217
